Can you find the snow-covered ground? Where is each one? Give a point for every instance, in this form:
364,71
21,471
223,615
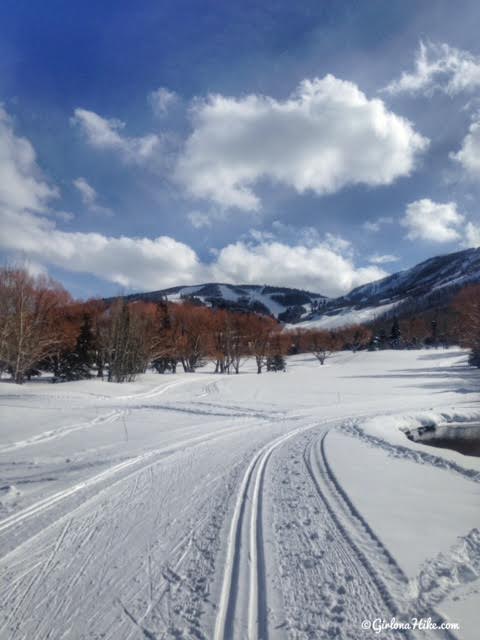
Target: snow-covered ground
287,505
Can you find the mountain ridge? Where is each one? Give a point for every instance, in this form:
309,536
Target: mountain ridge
428,284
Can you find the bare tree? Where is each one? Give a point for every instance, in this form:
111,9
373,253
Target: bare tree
320,343
31,323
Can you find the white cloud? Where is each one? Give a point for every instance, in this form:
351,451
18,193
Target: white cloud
432,221
199,220
439,67
87,192
383,259
89,196
103,133
319,268
144,263
22,185
129,262
472,235
374,226
469,154
161,100
325,136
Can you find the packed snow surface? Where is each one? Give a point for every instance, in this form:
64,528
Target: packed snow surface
345,317
286,505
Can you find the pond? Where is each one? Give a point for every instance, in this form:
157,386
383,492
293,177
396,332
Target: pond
456,436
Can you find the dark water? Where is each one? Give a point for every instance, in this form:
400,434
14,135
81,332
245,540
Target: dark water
462,438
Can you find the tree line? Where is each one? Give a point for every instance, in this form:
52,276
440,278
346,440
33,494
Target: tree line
42,328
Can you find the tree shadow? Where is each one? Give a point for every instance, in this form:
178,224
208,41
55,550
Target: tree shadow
456,378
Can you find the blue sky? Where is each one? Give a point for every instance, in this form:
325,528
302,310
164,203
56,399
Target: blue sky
319,146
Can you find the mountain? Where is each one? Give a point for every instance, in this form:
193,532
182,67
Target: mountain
284,303
430,284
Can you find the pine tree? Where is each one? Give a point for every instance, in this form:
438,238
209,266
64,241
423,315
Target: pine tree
276,363
395,334
77,364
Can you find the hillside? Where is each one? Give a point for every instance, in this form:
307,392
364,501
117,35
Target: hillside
284,303
430,284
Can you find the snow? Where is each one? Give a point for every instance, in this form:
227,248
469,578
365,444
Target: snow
265,298
197,505
346,317
228,293
429,503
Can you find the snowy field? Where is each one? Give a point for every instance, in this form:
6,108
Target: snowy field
286,505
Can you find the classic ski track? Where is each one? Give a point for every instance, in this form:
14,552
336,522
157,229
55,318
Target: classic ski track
54,434
106,418
346,516
47,503
315,472
253,477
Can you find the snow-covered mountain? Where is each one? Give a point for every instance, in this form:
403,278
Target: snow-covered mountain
284,303
430,284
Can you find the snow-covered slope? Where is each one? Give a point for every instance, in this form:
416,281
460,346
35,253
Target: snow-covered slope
275,301
431,283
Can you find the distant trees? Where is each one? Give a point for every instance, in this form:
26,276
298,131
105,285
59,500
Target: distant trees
41,327
320,343
467,306
354,337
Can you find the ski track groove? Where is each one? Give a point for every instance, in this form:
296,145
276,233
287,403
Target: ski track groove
314,471
32,586
46,503
112,416
256,619
345,506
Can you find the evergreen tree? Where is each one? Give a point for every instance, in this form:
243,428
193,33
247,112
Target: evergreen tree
77,364
434,332
276,363
395,334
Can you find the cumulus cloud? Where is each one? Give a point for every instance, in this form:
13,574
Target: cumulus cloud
469,154
325,136
317,268
161,100
129,262
439,67
103,133
432,221
143,263
22,185
89,196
